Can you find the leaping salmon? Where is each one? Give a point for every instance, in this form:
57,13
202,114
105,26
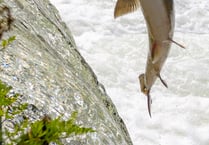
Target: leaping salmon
159,16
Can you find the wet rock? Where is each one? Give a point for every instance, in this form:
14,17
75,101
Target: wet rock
44,66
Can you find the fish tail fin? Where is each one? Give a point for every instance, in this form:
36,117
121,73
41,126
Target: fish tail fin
125,6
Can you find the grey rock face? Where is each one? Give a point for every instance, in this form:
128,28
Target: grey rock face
44,66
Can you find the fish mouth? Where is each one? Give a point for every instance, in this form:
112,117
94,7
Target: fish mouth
146,92
149,102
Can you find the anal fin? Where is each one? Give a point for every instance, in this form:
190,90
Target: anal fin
180,45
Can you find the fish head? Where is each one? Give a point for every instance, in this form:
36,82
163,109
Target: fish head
142,84
146,92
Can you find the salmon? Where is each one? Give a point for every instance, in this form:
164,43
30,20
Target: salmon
160,19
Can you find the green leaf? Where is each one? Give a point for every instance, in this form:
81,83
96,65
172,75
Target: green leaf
1,113
4,43
11,39
51,130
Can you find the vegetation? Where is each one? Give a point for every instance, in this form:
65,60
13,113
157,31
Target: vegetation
6,42
40,132
8,106
44,131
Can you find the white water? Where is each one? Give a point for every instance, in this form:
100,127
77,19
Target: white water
117,51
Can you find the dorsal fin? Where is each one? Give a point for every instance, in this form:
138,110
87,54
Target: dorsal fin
125,6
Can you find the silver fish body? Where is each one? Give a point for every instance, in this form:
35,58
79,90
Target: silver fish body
159,16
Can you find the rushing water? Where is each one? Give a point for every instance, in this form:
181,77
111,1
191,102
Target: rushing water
117,51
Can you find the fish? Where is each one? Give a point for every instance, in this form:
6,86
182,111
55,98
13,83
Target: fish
124,7
160,20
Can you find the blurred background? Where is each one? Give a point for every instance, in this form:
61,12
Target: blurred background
117,52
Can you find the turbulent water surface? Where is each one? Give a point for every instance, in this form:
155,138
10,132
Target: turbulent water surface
117,51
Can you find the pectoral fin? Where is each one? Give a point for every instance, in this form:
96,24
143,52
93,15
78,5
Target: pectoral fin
163,82
125,6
